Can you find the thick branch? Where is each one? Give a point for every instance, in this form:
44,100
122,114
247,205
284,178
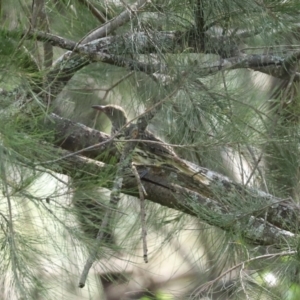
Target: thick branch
279,212
160,190
107,50
164,181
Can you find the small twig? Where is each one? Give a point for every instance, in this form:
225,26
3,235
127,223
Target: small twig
142,192
105,29
142,124
4,217
93,255
124,164
55,40
210,283
269,205
96,13
257,161
242,282
40,19
253,212
148,114
241,166
289,85
112,25
141,188
115,84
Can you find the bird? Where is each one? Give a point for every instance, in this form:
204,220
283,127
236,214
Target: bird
119,119
156,152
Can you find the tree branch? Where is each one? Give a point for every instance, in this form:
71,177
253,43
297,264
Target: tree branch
161,189
161,183
115,23
104,50
96,13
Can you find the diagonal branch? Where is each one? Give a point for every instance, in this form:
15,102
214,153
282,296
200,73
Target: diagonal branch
96,13
115,23
162,188
104,50
163,182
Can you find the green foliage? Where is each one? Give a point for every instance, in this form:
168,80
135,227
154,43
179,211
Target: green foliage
225,121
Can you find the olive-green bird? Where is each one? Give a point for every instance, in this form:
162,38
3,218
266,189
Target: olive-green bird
155,152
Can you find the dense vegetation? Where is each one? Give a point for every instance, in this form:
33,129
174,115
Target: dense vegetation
217,81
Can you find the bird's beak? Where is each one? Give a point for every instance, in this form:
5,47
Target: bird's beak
99,107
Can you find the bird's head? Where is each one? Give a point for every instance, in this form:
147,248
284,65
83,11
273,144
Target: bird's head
115,113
